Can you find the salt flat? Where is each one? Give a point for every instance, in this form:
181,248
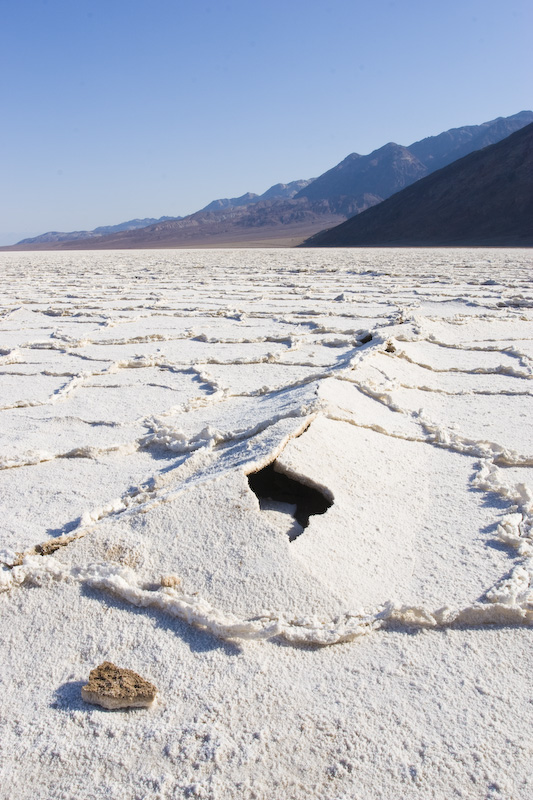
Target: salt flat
382,650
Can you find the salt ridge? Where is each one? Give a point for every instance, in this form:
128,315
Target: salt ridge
396,381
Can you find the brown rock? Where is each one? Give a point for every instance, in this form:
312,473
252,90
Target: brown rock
112,687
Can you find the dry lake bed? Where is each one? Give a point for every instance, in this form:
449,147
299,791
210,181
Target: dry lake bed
293,489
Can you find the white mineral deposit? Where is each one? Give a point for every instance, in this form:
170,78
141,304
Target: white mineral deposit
294,489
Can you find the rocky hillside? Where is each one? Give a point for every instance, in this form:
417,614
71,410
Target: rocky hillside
280,191
288,213
485,198
359,182
106,230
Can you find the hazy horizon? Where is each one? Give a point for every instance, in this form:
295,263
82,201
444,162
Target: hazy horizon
131,111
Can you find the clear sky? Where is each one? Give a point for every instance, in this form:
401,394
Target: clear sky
115,109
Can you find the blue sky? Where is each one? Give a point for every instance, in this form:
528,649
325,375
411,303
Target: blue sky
133,108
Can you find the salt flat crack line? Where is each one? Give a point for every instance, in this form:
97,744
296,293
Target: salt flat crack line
525,374
157,490
10,356
77,380
437,434
513,608
460,393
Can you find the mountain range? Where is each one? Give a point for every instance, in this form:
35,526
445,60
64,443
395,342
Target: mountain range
288,213
276,192
105,230
484,198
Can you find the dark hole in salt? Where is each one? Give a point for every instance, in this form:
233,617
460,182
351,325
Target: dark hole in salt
268,484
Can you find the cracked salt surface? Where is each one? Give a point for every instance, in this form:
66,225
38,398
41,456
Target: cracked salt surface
137,402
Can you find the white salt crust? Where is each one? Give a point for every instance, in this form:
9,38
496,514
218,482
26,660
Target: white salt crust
138,391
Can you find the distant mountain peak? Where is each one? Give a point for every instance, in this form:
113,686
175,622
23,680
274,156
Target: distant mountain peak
484,198
355,184
279,190
231,202
439,151
74,236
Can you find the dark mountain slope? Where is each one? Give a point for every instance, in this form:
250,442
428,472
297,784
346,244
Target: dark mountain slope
287,213
436,152
485,198
393,167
